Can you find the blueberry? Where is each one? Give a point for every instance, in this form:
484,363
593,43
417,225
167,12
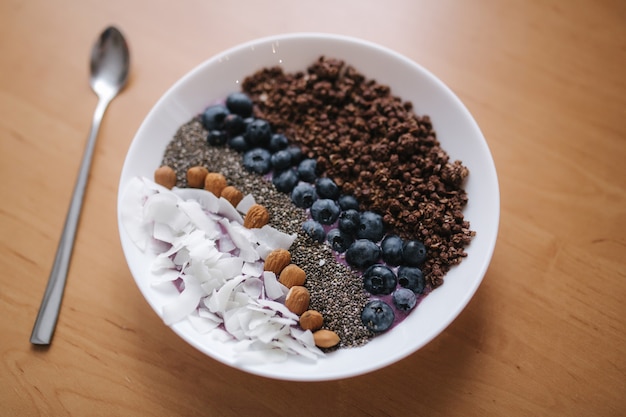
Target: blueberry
412,278
371,226
281,159
325,211
314,230
238,143
216,137
413,253
379,279
347,202
285,180
257,160
278,142
349,221
404,299
258,133
306,170
296,154
247,121
392,249
338,240
303,195
362,253
239,103
377,316
326,188
233,125
213,117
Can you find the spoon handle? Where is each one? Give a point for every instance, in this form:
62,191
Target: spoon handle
51,303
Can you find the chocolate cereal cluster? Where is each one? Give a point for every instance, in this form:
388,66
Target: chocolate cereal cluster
373,145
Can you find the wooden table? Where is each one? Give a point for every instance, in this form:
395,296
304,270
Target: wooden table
545,333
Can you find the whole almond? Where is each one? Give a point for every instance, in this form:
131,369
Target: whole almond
311,320
215,183
196,176
297,300
165,176
325,338
232,194
256,217
277,260
292,275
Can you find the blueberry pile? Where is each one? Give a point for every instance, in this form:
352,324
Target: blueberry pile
390,265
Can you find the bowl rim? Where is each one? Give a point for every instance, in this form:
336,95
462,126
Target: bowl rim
326,37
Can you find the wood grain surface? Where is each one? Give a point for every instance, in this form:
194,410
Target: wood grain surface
543,336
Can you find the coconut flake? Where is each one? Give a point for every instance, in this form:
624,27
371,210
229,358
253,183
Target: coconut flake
194,211
273,238
163,208
246,202
207,200
253,269
227,210
203,323
185,304
131,212
273,288
253,287
200,239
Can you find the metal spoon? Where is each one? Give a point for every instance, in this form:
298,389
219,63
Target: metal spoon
109,67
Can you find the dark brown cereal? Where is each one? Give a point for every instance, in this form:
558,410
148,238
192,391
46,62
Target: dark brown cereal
374,146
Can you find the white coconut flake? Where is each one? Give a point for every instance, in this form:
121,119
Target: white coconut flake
162,264
131,212
253,287
185,304
273,238
207,200
163,208
253,269
230,267
225,244
198,217
202,323
246,202
273,288
240,238
200,239
227,210
163,233
278,307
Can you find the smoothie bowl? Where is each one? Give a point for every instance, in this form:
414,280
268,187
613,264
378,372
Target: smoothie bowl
308,207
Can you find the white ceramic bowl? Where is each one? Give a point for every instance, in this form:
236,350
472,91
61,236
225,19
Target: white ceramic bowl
456,129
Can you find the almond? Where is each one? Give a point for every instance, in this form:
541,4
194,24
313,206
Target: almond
165,176
196,176
256,217
277,260
215,183
311,320
297,300
292,275
232,194
325,338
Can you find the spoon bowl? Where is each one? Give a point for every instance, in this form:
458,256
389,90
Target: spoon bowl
109,65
